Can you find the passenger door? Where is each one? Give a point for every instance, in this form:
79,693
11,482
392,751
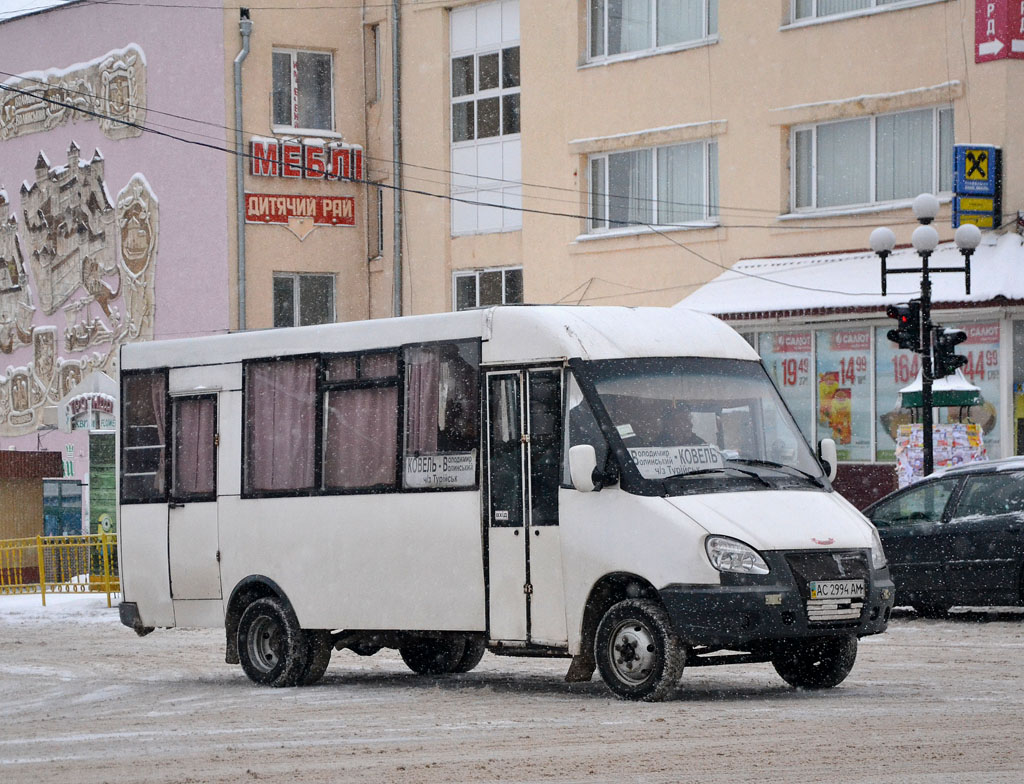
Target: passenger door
915,538
525,596
192,531
986,537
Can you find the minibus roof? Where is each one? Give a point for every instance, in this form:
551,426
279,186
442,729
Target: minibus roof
511,333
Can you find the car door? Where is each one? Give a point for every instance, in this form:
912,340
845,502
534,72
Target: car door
987,545
911,525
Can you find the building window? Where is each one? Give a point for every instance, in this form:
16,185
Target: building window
372,64
303,90
485,123
619,27
488,287
143,439
301,299
375,225
812,9
666,186
872,159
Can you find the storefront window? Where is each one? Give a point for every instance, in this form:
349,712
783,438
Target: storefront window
982,370
895,368
787,356
843,362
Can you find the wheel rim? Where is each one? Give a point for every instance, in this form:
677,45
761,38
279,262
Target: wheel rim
632,652
264,643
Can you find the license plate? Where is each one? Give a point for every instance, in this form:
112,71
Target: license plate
837,589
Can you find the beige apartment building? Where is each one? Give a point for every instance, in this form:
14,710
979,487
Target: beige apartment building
632,152
600,151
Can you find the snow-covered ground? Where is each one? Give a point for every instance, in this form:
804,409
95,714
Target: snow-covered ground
82,699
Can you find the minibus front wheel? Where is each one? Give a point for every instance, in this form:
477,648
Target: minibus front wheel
639,655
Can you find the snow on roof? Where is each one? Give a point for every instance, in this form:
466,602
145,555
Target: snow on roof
12,9
853,280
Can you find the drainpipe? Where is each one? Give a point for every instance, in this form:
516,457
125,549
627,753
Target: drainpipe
245,28
396,122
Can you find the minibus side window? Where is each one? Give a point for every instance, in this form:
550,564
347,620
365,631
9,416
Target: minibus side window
581,428
280,425
361,422
442,415
144,438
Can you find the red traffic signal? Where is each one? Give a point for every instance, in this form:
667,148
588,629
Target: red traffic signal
908,325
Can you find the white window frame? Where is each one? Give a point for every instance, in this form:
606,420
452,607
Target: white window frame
475,274
873,7
709,33
710,191
296,295
872,162
486,183
294,125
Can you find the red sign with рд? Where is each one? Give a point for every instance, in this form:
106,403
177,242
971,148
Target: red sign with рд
998,30
279,208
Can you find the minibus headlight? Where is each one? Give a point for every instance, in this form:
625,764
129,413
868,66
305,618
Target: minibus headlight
730,555
878,560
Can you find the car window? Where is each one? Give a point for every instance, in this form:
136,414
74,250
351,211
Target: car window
992,494
924,503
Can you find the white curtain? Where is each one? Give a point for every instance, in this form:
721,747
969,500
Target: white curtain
904,155
828,7
629,25
681,184
630,188
844,172
680,20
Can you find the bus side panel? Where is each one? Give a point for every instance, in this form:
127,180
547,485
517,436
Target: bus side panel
376,561
612,531
142,545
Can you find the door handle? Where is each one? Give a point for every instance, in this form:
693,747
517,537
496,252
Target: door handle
175,505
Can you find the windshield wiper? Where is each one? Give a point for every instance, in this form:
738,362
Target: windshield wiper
779,467
751,474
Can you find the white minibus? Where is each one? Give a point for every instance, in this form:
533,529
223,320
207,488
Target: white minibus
620,487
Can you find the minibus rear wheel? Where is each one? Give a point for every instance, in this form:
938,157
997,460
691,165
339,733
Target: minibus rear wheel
272,647
815,664
639,655
473,653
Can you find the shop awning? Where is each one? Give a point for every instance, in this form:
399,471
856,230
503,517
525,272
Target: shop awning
953,390
844,282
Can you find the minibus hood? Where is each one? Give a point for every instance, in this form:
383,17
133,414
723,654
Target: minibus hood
779,519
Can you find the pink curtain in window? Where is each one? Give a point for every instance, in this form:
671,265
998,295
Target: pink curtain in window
360,443
194,448
280,421
423,368
157,387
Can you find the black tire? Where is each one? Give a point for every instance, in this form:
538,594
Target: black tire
471,656
318,655
272,648
932,610
433,655
639,655
815,664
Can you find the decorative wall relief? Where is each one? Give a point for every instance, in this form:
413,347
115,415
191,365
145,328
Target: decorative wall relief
110,89
92,266
138,229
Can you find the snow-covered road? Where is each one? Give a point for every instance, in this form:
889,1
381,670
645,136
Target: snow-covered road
82,700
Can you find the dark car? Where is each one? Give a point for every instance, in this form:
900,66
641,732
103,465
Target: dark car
956,538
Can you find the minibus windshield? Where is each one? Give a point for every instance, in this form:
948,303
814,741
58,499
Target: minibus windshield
702,417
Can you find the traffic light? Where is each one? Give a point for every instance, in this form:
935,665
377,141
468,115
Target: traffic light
908,330
945,361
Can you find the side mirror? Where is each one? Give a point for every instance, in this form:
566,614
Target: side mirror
582,464
828,458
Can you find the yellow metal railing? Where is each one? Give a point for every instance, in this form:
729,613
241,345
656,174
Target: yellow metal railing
60,564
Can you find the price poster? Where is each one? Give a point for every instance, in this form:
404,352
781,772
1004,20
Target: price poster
843,387
895,368
982,369
787,355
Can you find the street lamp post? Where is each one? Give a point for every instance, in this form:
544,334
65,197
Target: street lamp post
925,239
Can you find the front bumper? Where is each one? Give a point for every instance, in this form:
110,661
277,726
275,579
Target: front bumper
129,612
749,609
